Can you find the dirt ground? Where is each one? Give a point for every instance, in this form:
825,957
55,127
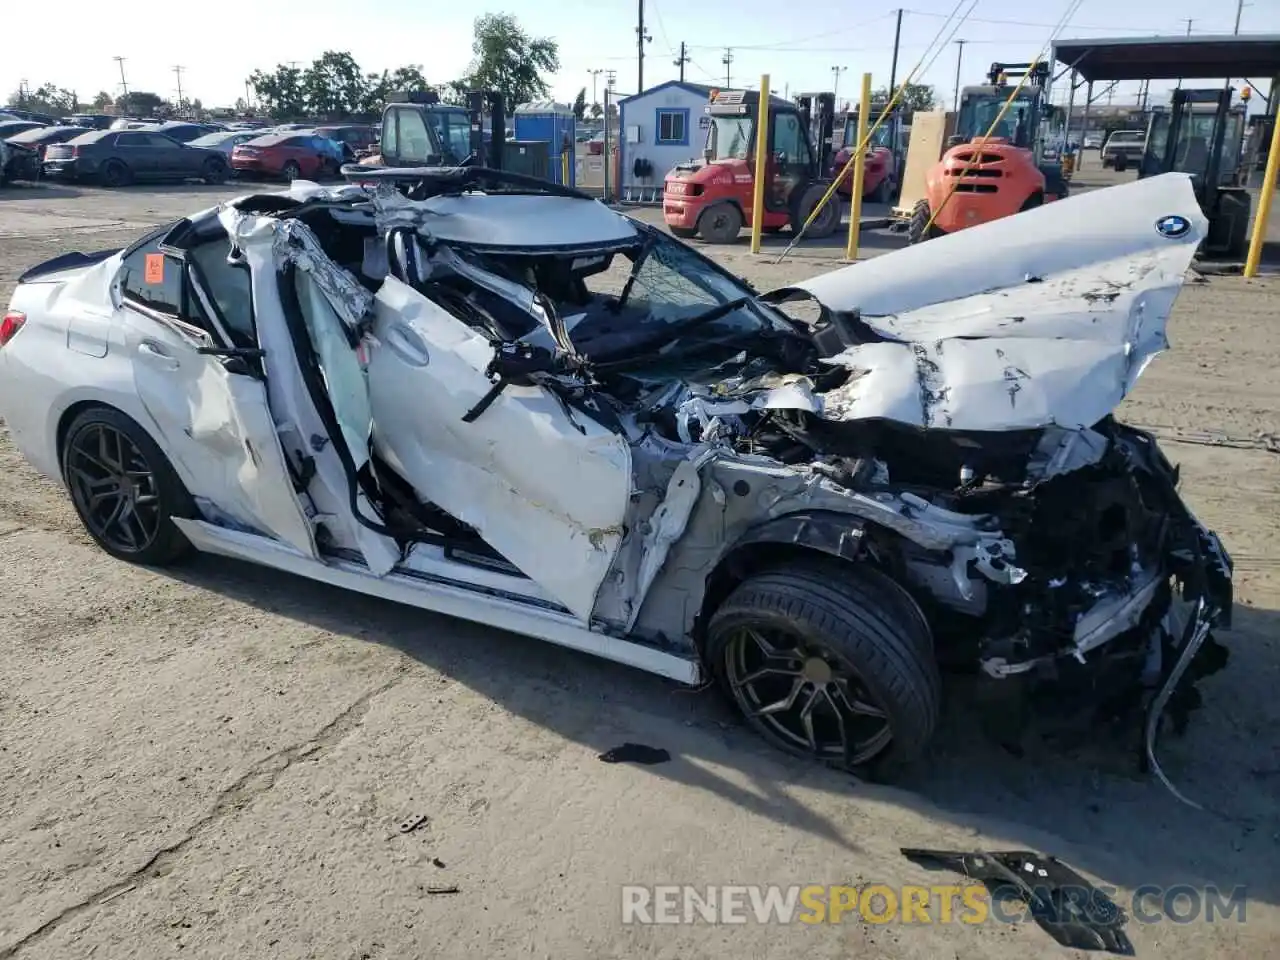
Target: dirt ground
214,761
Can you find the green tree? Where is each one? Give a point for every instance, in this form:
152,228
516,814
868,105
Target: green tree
102,101
409,78
46,98
280,92
580,105
333,85
510,61
597,111
142,103
917,96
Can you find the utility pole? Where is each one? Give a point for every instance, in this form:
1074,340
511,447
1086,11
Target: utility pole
123,84
177,72
893,67
248,101
684,58
727,59
641,39
595,76
955,103
835,85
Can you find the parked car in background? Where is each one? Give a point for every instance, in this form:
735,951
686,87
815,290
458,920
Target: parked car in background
90,121
27,160
132,123
1124,148
117,157
9,128
185,131
356,139
224,141
15,114
287,127
288,155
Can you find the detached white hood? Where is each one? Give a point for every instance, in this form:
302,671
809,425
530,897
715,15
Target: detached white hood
1046,317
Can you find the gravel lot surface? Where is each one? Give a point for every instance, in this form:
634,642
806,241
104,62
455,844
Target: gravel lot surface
213,762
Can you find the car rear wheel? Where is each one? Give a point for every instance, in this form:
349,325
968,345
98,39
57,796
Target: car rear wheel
291,171
214,171
830,662
123,488
115,174
720,224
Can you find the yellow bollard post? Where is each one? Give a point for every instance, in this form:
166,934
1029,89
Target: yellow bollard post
859,170
762,166
564,168
1264,202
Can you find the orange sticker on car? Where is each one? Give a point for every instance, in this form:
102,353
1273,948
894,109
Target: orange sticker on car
153,273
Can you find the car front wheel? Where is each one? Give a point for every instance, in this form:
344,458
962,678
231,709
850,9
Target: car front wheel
123,488
830,662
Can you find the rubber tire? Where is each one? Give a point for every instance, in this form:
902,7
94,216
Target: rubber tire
1121,164
291,171
866,618
918,229
115,173
1033,201
684,233
826,223
726,232
170,545
213,172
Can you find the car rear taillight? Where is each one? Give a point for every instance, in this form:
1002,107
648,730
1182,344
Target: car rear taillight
10,325
75,151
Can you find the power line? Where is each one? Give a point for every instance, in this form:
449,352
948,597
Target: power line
796,40
1043,26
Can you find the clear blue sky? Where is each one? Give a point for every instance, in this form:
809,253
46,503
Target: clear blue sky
785,39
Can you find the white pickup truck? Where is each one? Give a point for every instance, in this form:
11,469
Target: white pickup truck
1124,148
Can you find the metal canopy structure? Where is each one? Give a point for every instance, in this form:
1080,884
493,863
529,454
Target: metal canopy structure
1172,58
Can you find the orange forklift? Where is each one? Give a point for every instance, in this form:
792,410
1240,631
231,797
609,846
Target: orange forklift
712,198
980,178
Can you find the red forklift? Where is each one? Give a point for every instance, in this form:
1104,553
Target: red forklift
884,152
712,198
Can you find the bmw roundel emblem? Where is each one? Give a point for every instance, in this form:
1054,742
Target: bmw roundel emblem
1173,226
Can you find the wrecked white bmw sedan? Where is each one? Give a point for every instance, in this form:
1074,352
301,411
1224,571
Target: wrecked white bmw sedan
491,397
